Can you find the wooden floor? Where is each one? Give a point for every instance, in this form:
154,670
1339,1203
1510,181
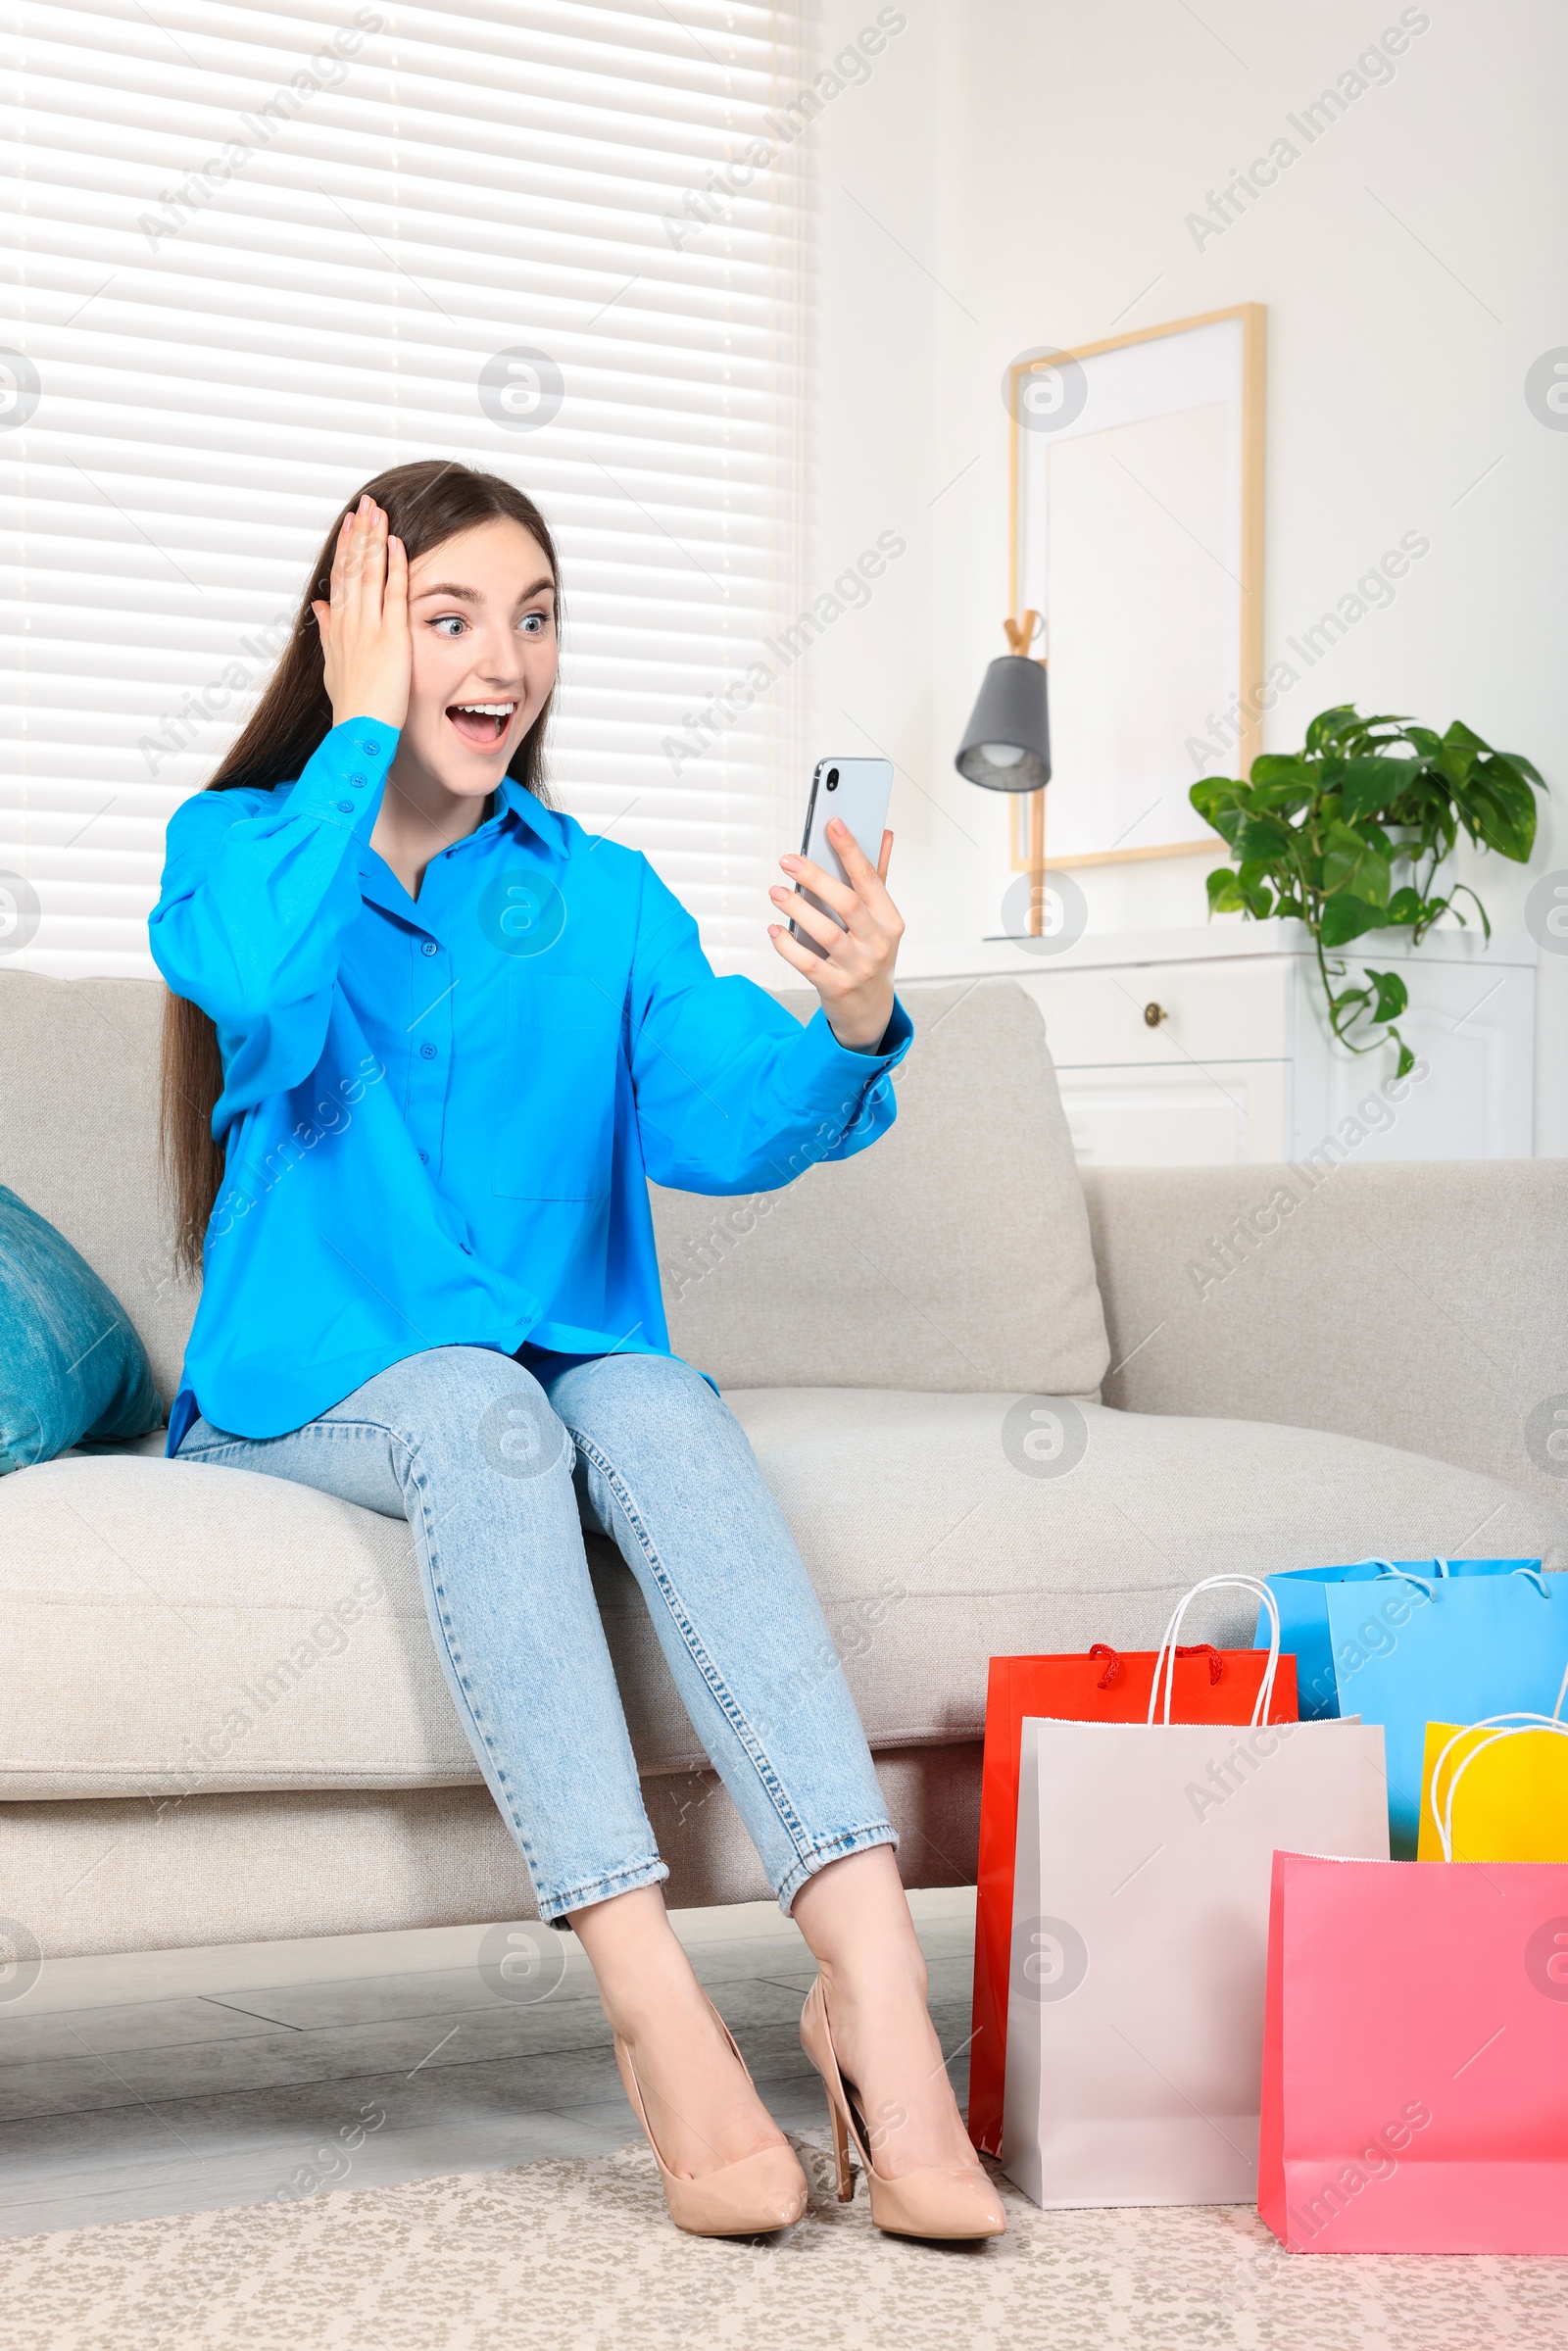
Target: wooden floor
184,2081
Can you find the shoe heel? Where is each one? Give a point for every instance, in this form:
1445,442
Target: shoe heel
841,2151
944,2201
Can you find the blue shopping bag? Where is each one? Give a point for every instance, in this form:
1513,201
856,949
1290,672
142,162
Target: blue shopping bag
1411,1650
1301,1596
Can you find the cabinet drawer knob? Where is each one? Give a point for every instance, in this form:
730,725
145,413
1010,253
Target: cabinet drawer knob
1153,1014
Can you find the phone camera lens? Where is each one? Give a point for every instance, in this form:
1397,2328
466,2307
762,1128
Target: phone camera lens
832,779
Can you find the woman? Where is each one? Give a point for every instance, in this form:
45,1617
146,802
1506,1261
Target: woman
443,1035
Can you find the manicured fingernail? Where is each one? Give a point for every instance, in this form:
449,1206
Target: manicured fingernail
789,864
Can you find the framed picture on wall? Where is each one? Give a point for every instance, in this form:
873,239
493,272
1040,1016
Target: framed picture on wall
1137,533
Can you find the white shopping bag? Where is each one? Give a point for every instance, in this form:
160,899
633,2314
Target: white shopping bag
1140,1939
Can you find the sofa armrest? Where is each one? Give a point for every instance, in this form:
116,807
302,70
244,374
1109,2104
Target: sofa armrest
1423,1303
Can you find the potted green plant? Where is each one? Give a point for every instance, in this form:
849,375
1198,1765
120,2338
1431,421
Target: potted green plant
1327,833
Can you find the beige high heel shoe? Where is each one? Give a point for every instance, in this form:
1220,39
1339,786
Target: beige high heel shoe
759,2194
946,2200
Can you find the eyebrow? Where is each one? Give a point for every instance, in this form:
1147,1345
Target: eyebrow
453,587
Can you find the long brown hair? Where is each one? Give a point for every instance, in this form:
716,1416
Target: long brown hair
425,504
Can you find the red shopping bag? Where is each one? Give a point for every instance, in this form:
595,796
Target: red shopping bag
1211,1685
1416,2057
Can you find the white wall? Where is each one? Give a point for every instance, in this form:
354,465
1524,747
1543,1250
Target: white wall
1018,172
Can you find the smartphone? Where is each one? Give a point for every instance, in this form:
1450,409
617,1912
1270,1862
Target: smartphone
857,790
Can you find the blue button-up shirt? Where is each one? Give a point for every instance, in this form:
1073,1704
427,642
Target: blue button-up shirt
439,1115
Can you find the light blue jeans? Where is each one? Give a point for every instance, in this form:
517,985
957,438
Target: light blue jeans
497,1469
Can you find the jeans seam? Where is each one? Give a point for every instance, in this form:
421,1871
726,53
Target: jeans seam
312,1428
746,1738
835,1848
602,1888
416,1474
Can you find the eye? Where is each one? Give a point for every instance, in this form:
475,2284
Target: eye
534,624
450,624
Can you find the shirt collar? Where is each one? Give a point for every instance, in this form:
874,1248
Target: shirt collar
547,826
381,886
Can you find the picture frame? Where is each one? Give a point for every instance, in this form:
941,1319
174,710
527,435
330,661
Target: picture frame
1136,528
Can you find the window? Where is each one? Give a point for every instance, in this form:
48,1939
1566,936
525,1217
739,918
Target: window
266,251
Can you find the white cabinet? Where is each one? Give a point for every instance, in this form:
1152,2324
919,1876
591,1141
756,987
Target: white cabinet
1212,1047
1149,1116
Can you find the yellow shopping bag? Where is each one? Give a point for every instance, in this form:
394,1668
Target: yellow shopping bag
1497,1792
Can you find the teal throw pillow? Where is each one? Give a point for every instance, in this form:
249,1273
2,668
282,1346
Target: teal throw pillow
70,1364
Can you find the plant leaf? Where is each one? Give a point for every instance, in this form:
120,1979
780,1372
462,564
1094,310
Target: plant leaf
1525,767
1283,767
1369,786
1260,838
1357,864
1329,726
1220,803
1346,917
1392,997
1253,880
1502,807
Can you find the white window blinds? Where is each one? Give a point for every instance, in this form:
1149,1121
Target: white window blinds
265,251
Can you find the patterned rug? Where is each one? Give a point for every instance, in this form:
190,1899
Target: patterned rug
581,2254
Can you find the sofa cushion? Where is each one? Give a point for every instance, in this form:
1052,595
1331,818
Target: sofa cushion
174,1629
952,1255
71,1363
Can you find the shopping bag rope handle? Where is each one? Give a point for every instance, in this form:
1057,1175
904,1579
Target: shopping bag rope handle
1387,1567
1199,1648
1511,1726
1406,1575
1167,1647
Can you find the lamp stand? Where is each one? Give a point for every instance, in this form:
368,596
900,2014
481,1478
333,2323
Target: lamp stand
1020,635
1036,862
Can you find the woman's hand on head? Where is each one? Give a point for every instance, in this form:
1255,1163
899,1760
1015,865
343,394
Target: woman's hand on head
365,625
854,978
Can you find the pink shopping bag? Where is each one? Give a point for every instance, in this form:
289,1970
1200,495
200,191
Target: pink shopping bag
1416,2057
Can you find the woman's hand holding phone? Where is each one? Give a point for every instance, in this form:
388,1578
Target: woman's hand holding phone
365,625
853,976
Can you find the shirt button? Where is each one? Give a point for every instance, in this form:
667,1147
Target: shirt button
424,1158
346,808
427,947
371,750
357,781
427,1052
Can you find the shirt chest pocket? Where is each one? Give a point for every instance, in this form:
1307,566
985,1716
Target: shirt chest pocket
555,1120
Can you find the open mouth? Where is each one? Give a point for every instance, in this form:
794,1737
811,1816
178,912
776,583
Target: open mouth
481,724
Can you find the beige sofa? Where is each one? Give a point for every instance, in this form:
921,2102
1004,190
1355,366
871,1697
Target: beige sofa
221,1717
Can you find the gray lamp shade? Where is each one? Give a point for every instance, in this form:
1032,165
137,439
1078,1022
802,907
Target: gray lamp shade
1007,744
